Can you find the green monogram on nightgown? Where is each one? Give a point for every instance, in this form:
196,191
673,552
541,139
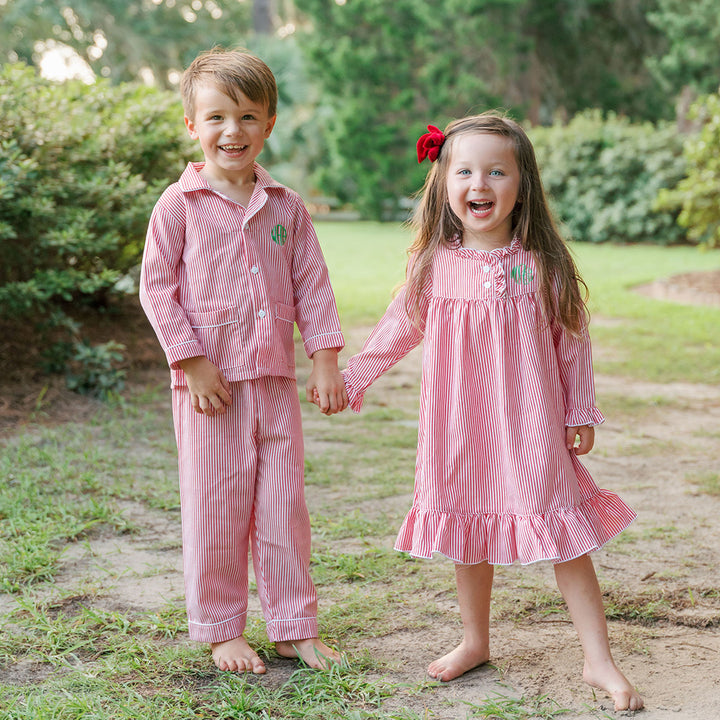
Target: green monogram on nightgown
522,274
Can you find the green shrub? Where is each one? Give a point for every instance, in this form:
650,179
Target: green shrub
697,194
603,176
92,369
80,169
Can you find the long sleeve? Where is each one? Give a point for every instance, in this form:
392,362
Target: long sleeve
159,286
391,340
315,309
576,375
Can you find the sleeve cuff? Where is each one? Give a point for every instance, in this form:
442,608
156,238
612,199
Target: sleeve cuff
587,416
177,353
355,398
324,341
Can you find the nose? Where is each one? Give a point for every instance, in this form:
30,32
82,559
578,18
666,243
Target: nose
479,181
231,128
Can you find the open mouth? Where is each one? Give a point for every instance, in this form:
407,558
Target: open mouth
233,149
480,208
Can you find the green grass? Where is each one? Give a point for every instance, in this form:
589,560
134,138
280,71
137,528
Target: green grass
707,483
649,339
366,262
504,708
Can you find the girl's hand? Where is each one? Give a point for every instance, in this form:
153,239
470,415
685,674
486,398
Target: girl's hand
586,433
209,388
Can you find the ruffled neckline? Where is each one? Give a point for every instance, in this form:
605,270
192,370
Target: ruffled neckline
498,253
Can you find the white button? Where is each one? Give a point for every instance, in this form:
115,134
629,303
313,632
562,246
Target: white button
487,283
254,269
486,268
261,314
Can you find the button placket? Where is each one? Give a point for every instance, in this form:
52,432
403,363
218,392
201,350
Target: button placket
486,282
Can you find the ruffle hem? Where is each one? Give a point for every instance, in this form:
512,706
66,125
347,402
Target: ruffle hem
557,536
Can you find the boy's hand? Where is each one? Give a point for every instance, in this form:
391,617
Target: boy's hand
586,433
209,388
325,386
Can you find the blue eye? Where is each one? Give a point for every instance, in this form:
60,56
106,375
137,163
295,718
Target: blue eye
496,172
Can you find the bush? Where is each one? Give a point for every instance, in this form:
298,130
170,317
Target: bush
80,169
603,176
696,195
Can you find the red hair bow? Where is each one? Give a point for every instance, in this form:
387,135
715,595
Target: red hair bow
429,144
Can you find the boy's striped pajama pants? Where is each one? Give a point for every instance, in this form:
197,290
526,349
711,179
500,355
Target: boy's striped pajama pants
242,482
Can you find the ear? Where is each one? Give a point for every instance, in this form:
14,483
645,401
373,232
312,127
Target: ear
269,126
190,125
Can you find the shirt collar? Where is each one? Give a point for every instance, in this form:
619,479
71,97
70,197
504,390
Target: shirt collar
191,179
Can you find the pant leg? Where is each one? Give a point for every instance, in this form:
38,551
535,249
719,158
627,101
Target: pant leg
281,533
217,464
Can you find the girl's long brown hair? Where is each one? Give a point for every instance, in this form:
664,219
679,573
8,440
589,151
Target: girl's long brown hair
435,223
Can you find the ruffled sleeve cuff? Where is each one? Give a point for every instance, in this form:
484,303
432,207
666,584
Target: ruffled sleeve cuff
586,416
355,397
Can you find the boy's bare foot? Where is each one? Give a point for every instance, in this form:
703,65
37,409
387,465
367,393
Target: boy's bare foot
312,651
457,662
613,682
237,656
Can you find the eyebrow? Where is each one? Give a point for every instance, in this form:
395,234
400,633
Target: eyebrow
492,162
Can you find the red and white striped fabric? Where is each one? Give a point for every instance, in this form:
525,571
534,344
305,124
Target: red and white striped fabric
241,482
494,479
229,283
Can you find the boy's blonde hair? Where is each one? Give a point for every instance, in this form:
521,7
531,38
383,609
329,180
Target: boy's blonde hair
232,71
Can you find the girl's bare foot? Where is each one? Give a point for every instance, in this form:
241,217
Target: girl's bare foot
613,682
458,661
312,651
237,656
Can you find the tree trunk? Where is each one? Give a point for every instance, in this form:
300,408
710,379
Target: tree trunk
262,17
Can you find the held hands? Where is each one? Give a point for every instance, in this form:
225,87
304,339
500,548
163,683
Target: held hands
325,386
586,434
209,388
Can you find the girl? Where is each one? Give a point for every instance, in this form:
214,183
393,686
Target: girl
507,400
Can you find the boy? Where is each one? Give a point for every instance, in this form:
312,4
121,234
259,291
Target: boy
231,262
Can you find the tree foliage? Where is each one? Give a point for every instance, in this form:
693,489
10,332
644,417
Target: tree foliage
119,38
692,55
388,69
80,169
697,195
603,175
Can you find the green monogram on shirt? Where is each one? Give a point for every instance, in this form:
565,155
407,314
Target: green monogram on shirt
522,274
279,234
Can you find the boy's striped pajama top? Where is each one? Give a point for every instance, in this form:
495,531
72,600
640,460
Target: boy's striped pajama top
230,283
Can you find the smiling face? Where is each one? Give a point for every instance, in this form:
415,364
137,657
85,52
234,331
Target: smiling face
231,134
483,181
